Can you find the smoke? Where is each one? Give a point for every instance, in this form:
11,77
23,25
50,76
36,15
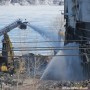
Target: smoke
64,67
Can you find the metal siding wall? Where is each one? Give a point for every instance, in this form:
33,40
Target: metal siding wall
85,10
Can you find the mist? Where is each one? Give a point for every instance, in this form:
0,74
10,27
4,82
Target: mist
66,65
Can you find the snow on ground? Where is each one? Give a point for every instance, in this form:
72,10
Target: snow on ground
42,17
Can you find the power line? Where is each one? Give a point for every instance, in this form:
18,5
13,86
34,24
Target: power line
46,49
52,41
26,55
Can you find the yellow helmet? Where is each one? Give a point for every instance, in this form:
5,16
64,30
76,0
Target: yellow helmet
4,68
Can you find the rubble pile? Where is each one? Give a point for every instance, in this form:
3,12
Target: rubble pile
36,84
59,85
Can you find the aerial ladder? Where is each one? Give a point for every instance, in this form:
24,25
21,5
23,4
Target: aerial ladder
7,57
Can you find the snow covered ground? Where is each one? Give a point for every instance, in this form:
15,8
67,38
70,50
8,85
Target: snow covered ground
41,18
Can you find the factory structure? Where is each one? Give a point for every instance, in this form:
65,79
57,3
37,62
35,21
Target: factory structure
77,16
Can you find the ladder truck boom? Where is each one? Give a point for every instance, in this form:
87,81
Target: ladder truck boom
22,25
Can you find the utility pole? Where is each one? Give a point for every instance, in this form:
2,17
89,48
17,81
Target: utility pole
18,79
35,67
29,65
